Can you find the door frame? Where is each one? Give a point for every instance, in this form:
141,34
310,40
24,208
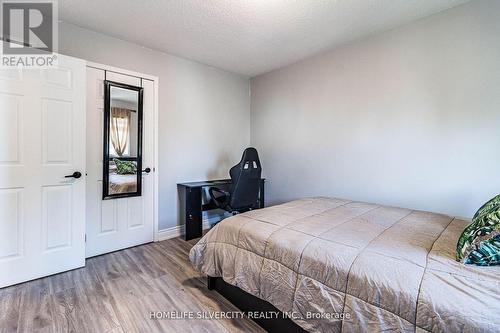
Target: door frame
156,80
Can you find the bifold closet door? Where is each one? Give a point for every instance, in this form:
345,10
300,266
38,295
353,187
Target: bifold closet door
42,140
115,224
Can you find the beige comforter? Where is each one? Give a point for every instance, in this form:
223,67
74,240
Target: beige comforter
388,269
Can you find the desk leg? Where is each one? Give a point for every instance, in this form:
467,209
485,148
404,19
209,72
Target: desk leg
193,213
211,282
262,196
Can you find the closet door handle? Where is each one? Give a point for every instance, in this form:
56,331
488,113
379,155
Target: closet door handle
147,170
75,174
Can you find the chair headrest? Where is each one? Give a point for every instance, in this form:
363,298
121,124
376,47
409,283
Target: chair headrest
250,154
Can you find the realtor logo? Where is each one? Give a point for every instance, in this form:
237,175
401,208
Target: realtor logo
29,33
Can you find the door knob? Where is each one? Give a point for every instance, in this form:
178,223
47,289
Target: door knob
147,170
75,174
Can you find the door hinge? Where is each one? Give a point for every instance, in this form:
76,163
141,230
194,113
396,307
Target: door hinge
85,238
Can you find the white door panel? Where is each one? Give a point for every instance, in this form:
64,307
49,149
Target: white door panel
42,139
116,223
11,223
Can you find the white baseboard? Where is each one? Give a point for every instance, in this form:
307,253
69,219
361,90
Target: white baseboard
176,231
169,233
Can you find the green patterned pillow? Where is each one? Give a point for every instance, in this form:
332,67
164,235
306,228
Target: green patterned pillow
479,243
125,167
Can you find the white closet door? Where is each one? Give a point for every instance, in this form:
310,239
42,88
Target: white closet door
42,140
115,224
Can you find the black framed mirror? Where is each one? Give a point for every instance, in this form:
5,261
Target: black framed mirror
122,146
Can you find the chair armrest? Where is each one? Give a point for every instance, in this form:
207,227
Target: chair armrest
222,199
218,190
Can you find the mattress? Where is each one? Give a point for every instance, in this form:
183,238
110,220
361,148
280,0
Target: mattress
336,265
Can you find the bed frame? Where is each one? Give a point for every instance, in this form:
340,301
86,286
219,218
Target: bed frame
249,303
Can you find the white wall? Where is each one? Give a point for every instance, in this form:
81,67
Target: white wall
204,116
409,118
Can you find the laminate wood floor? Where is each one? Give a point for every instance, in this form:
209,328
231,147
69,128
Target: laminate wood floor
116,293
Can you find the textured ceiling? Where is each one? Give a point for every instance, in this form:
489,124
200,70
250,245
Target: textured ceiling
249,37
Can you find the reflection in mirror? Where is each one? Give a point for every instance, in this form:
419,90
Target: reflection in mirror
123,122
122,141
122,176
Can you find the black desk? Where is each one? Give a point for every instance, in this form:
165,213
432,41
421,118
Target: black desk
191,205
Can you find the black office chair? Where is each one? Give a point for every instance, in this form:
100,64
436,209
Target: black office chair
243,194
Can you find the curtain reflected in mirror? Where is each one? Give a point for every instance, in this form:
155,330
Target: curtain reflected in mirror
122,141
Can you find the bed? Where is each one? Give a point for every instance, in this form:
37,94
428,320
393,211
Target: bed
379,268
